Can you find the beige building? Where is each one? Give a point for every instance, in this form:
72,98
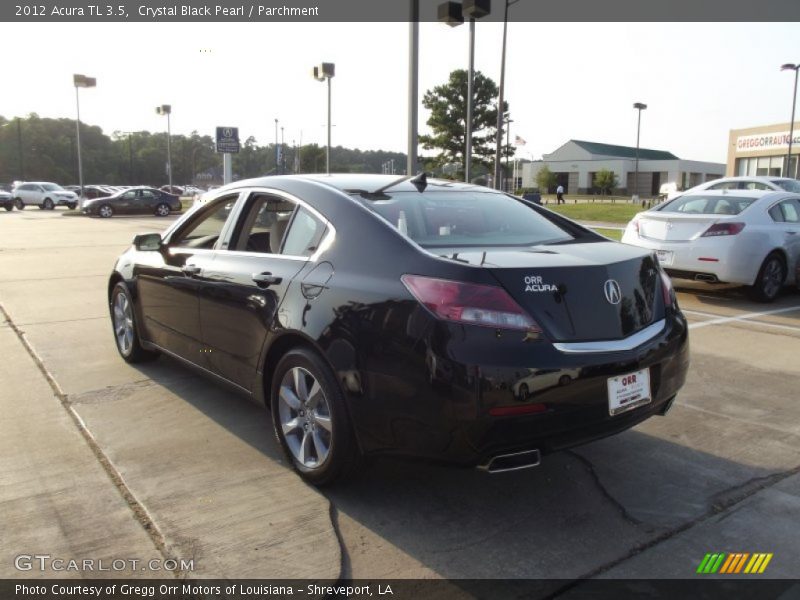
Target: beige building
762,151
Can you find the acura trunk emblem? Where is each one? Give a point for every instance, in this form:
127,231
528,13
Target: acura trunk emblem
613,293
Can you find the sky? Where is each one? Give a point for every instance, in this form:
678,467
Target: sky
563,80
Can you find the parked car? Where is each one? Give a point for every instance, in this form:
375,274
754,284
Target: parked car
43,194
778,184
6,200
175,190
141,200
383,316
747,237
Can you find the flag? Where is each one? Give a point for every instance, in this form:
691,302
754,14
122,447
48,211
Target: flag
518,141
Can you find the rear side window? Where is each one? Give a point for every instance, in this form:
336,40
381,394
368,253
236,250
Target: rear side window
462,218
790,185
708,205
304,236
787,211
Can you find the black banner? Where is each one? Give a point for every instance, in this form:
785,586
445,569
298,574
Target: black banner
401,589
268,11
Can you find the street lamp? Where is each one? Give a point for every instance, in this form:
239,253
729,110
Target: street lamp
80,81
640,107
322,72
277,156
453,13
166,109
500,101
413,85
795,68
507,120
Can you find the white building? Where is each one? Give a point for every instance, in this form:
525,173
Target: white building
576,163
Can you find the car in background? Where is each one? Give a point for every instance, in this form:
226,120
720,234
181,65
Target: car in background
43,194
777,184
6,199
747,237
175,190
137,200
378,315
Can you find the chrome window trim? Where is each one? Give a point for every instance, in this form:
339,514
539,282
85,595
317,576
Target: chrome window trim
628,343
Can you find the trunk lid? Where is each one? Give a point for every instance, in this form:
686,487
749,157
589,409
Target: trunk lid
674,227
563,287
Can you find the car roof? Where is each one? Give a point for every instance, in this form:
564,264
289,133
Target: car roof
761,196
359,181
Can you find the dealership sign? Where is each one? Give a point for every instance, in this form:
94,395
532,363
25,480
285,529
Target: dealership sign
767,141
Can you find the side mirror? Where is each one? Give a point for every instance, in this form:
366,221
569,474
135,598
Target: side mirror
147,241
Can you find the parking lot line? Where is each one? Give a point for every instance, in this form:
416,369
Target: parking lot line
764,323
744,317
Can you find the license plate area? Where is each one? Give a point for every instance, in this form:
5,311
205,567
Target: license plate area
665,257
629,391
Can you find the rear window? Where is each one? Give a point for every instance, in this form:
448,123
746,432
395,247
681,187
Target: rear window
790,185
447,219
708,205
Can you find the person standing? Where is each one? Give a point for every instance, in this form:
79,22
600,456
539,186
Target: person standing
560,194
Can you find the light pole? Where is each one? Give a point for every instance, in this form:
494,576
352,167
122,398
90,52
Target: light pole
795,68
19,150
507,120
283,156
322,72
452,13
277,157
413,85
80,81
640,107
500,101
166,109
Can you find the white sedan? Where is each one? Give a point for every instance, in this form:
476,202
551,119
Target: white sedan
748,237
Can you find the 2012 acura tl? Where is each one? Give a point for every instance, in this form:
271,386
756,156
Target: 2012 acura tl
414,317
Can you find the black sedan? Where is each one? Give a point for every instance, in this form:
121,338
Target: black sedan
382,316
138,200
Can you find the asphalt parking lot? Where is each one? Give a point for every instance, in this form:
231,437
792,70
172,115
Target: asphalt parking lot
105,460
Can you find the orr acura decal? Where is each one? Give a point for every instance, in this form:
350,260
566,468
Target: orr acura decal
533,283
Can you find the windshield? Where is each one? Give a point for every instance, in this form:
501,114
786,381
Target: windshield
707,205
51,187
790,185
464,218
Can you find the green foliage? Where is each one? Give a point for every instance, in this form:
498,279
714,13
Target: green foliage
605,180
545,179
448,106
49,153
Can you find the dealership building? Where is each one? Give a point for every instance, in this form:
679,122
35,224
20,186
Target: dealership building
762,151
576,163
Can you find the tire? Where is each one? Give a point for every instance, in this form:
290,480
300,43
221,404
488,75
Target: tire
48,204
19,204
105,211
41,206
524,392
9,207
72,206
564,380
313,430
125,328
162,210
770,279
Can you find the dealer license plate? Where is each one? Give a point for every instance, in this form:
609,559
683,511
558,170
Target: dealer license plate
626,392
665,257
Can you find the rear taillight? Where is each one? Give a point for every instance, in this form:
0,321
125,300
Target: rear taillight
474,304
723,229
667,291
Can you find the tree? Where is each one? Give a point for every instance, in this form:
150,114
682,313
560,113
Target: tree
545,179
606,180
448,106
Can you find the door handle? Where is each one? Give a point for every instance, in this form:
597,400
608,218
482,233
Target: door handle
191,270
266,279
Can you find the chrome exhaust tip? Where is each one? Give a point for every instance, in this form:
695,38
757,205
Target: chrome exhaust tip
706,278
514,461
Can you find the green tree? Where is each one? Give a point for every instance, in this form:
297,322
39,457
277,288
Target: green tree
605,180
545,179
448,106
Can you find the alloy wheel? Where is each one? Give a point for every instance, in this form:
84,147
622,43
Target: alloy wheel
772,280
162,210
123,323
105,211
305,418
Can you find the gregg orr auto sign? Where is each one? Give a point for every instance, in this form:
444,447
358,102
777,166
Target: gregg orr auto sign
766,141
228,140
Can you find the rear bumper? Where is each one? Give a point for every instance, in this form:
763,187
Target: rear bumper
444,413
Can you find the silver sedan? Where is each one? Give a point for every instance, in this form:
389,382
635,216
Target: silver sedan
748,237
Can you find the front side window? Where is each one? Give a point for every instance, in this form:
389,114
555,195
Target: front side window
204,230
466,218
